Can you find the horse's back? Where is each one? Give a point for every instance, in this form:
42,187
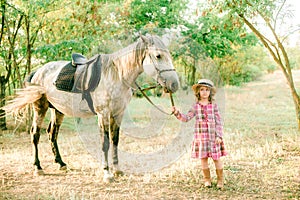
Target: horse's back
48,72
66,102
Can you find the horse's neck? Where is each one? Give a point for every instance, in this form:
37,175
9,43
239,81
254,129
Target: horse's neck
128,62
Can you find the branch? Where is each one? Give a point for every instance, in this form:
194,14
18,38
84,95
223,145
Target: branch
12,6
11,41
266,44
277,14
33,38
283,51
2,20
290,33
286,68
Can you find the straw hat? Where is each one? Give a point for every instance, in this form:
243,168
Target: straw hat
206,83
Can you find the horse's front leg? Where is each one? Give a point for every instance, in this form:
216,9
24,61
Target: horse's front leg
115,128
53,128
105,143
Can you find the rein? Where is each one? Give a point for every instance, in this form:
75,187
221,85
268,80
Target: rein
158,108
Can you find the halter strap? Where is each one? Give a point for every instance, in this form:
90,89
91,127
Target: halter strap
156,66
159,72
158,108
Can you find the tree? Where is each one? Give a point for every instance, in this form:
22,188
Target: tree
11,24
2,77
21,23
43,31
273,15
209,36
246,65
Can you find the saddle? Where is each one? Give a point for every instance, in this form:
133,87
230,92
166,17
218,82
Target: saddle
78,59
80,76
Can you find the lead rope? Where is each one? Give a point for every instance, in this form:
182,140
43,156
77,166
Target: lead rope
158,108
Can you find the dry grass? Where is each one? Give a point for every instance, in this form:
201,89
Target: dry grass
260,136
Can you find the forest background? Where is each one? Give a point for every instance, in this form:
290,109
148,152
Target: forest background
206,39
248,47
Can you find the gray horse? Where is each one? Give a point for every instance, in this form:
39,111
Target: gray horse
100,86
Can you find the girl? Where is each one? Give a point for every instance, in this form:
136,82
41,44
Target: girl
208,132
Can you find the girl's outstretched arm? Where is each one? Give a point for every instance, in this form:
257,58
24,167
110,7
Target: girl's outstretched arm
184,117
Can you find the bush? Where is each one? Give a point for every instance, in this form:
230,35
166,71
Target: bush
271,68
240,75
246,65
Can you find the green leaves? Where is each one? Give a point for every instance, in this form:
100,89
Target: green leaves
155,13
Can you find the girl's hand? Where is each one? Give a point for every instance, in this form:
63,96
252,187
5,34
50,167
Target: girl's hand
218,140
174,110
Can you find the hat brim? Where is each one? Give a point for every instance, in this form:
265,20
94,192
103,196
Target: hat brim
197,85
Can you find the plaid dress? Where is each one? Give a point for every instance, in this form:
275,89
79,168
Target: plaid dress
208,126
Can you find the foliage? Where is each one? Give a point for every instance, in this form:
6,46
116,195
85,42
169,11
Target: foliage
204,31
149,14
218,35
244,66
210,35
90,27
80,28
272,13
294,53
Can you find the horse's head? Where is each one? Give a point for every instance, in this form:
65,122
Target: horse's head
158,63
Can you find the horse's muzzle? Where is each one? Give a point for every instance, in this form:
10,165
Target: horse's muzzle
169,80
173,86
170,85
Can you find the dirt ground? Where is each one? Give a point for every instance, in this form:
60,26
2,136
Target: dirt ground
264,162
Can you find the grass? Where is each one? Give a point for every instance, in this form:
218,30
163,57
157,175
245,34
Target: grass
261,137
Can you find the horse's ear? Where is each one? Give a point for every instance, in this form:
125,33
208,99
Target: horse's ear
144,39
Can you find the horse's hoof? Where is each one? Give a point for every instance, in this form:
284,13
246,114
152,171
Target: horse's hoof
38,172
63,168
108,177
118,173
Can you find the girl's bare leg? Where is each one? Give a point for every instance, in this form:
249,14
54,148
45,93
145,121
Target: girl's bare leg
218,164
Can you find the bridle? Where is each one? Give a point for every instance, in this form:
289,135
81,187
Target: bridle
159,72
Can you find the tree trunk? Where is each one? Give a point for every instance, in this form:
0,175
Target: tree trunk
2,103
296,99
193,75
280,56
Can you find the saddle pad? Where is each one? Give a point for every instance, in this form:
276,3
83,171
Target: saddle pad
65,78
79,78
87,76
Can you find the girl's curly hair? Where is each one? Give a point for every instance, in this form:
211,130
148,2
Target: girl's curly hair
211,97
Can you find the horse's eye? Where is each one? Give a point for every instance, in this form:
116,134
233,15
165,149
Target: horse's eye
158,56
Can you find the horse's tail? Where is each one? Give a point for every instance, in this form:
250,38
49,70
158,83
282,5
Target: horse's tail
23,97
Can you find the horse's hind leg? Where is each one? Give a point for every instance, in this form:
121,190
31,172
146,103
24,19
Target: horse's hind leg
52,130
40,108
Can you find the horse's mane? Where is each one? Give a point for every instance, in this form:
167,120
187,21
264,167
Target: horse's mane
124,62
128,59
